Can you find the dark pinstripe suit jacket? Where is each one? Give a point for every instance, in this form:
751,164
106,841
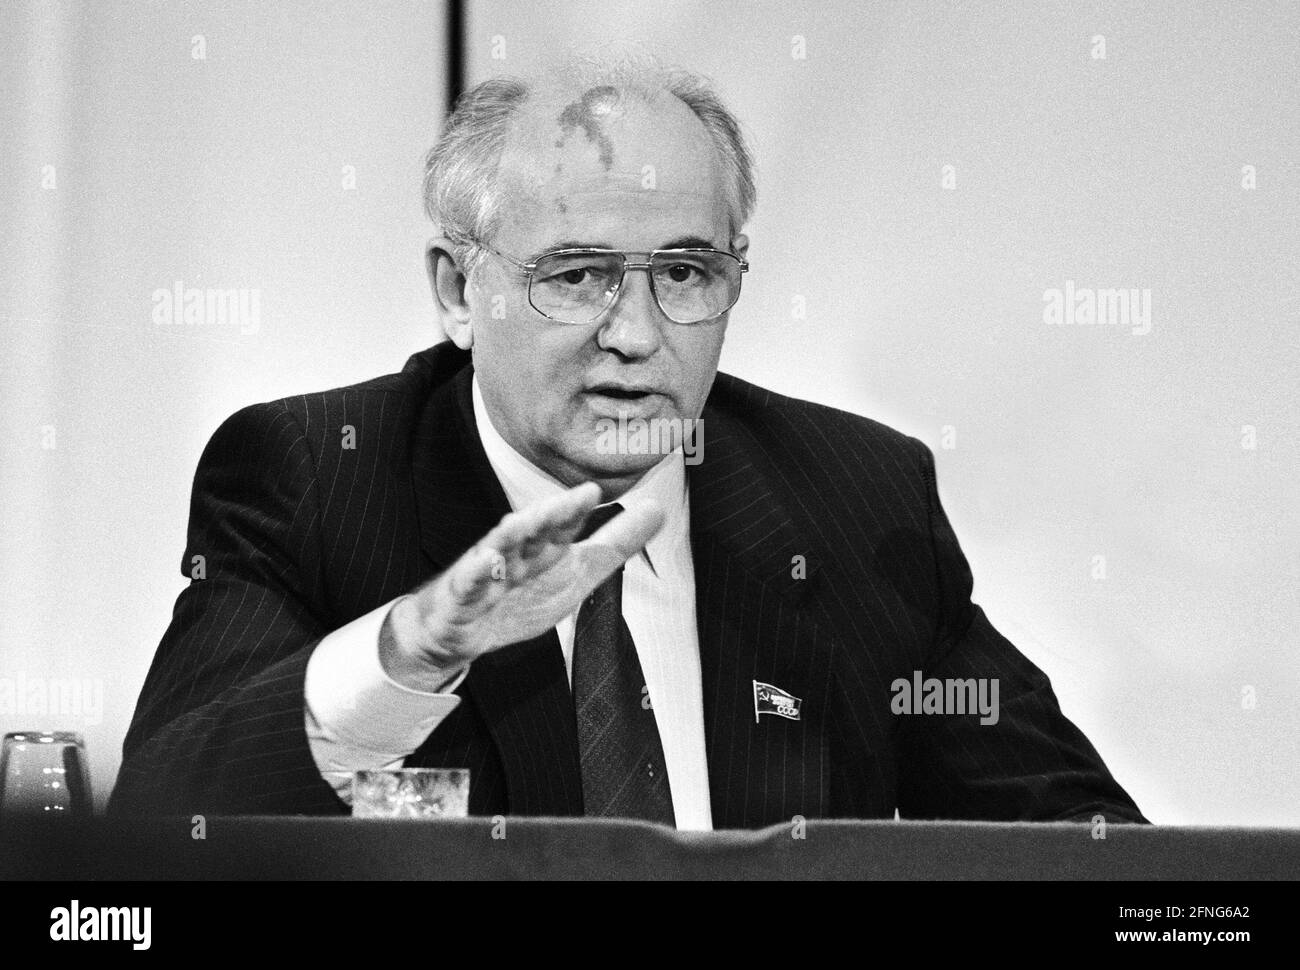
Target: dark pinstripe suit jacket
301,534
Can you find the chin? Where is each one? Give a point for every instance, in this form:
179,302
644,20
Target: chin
597,464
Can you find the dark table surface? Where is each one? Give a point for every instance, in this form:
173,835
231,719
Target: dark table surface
522,848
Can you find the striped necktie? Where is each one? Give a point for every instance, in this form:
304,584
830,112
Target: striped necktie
623,770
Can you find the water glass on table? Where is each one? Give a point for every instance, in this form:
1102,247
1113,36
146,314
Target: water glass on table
44,774
411,793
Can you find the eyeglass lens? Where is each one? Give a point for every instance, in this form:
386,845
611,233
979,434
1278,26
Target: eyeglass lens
690,287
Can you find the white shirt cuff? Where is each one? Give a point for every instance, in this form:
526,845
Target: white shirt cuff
358,717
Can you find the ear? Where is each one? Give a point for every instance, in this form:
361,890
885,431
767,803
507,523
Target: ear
740,245
448,283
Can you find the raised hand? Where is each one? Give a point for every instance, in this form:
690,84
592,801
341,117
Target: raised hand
518,582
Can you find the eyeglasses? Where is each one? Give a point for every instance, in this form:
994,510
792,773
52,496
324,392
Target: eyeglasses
577,285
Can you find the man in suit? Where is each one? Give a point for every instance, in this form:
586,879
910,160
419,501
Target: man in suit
464,565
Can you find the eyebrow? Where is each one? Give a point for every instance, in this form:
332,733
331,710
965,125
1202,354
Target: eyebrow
682,242
689,242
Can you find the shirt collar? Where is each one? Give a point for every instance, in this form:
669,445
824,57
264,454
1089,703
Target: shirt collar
524,483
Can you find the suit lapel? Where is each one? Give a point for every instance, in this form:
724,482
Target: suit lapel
521,692
750,589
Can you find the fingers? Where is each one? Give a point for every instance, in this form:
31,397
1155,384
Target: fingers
506,552
474,573
555,519
624,536
564,520
611,546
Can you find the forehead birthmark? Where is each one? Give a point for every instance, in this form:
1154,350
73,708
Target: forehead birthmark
584,113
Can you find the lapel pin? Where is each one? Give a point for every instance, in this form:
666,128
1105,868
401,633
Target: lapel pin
773,700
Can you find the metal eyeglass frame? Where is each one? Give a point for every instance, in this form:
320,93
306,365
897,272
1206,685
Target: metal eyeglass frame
531,267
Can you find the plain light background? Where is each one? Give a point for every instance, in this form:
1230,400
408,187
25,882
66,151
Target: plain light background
922,306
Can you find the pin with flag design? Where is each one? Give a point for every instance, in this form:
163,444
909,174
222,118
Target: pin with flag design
773,700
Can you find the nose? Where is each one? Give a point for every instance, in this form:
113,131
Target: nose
633,326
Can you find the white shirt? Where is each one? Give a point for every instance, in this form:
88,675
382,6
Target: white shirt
358,717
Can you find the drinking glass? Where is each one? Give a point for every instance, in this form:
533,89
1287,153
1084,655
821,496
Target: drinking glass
411,793
44,773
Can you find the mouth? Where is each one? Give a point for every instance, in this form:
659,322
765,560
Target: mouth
622,392
615,400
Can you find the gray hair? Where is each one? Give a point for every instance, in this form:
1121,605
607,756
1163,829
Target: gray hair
461,192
